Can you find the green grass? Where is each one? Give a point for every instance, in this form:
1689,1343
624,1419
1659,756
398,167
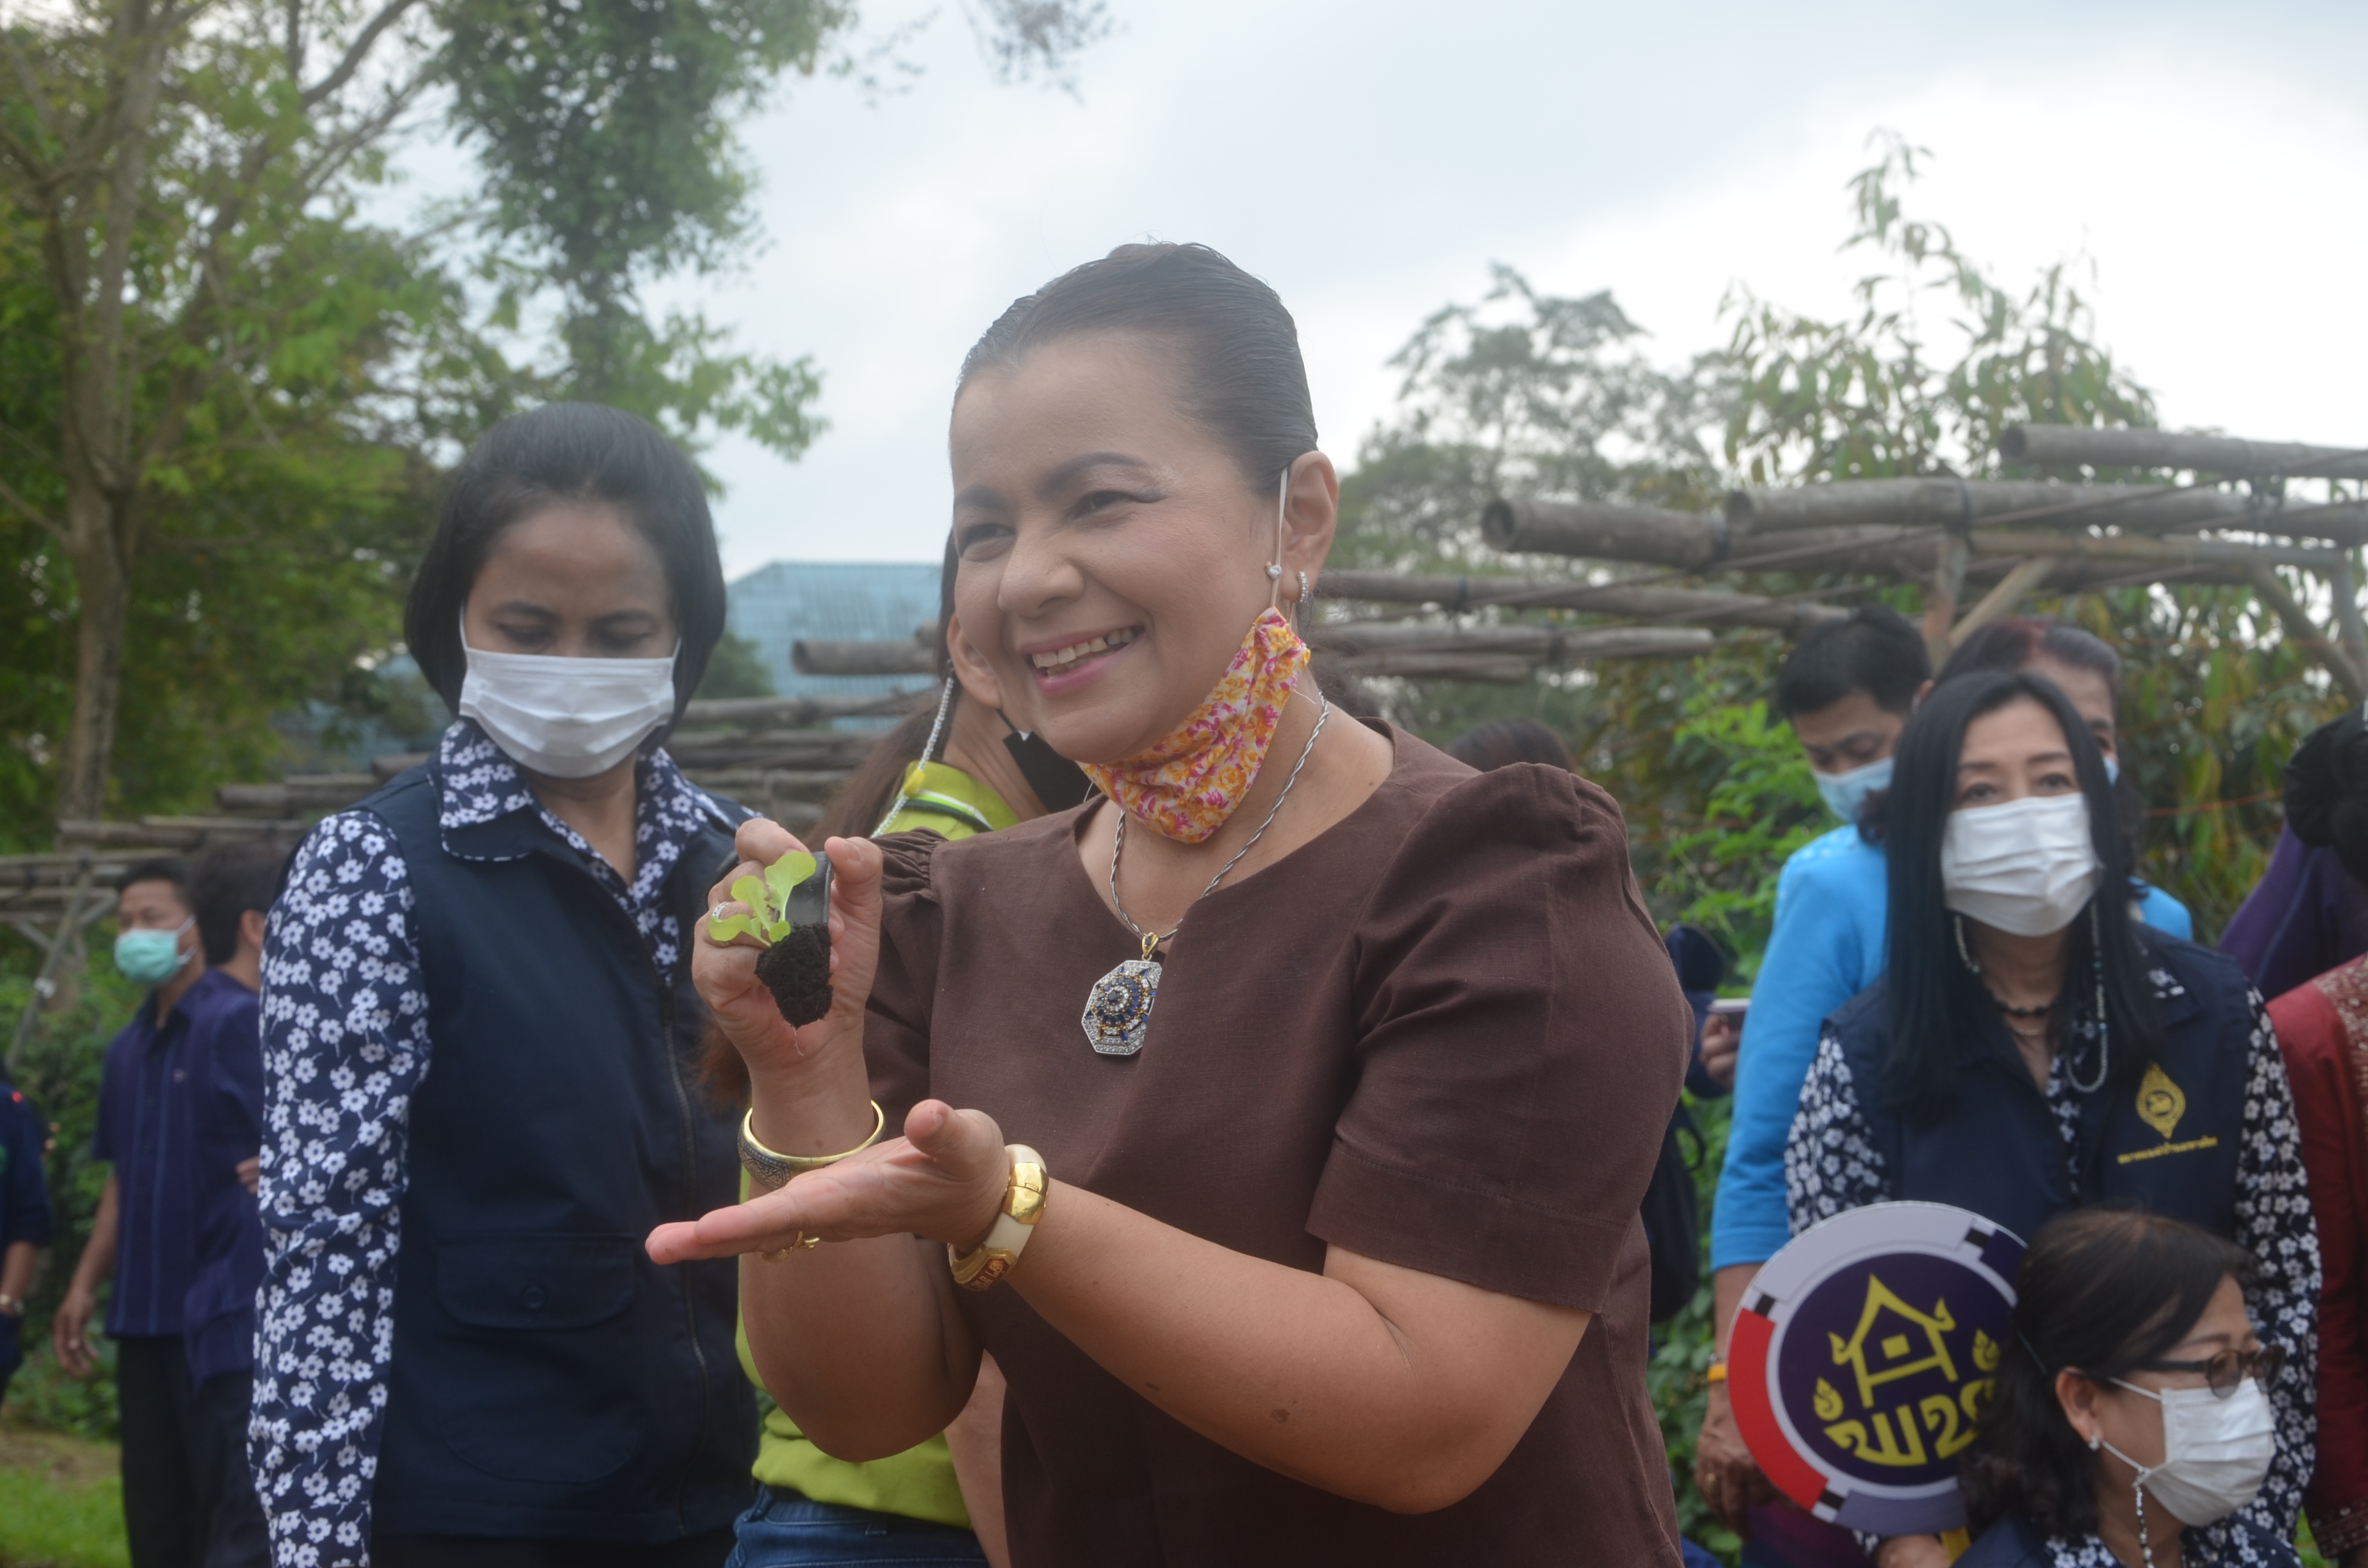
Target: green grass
61,1503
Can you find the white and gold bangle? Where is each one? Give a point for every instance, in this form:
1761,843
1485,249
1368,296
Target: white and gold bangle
1023,1204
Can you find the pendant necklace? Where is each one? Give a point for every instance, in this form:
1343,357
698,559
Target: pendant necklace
1117,1009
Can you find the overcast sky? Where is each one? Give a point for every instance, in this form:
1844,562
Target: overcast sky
1370,158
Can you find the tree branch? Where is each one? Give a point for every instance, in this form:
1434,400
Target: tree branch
356,52
2303,630
31,514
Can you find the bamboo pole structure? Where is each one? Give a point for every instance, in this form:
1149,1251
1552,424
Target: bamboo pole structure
1967,503
884,656
1454,593
2021,583
2305,632
1537,643
2069,445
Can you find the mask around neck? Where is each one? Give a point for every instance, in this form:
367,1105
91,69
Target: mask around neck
2215,1452
2027,867
566,718
1186,786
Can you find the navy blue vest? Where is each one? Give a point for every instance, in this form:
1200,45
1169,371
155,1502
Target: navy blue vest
2167,1139
548,1380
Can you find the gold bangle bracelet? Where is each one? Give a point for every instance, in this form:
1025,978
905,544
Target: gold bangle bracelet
772,1170
1023,1205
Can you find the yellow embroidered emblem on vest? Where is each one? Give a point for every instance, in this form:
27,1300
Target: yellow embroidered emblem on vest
2160,1102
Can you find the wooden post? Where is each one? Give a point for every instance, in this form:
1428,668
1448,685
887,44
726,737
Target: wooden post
2011,591
45,984
2078,444
2344,585
2305,632
1940,595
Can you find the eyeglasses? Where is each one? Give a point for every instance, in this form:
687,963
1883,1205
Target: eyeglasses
2226,1372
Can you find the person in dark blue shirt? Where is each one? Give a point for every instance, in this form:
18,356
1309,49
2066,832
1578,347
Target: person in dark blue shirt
230,896
23,1220
153,1084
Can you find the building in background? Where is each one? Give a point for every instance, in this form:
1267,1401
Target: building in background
838,601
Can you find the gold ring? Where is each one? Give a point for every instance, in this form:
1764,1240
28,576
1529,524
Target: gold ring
799,1243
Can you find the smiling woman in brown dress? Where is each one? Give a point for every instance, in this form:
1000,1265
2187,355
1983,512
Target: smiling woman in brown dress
1342,1263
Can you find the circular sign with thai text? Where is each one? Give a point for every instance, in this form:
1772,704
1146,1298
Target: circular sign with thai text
1862,1354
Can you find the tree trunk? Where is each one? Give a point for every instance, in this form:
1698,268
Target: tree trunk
103,586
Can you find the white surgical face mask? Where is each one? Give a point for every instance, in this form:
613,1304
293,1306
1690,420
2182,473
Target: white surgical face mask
1846,792
2215,1452
566,718
2026,867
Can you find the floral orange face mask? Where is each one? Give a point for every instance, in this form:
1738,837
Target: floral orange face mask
1187,786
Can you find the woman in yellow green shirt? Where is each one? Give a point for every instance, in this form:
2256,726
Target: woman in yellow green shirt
956,769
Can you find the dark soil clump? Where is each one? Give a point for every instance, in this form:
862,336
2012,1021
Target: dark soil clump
797,971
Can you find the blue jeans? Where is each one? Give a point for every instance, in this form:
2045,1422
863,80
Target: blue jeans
786,1531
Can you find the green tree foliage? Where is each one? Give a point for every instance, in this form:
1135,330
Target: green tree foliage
1530,394
228,395
736,669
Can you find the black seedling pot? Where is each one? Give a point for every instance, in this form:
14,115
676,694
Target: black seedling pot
797,968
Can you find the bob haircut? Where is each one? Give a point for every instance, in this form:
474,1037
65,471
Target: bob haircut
562,454
1928,993
1238,373
2101,1291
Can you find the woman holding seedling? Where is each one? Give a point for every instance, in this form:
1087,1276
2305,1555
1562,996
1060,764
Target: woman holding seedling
480,1036
1322,1244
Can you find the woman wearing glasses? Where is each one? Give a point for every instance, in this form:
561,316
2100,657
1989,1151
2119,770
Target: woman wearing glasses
2033,1048
2130,1423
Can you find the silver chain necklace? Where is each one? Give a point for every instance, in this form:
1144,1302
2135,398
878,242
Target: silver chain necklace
1117,1009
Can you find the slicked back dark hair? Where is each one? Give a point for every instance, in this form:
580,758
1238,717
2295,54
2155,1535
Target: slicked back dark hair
2101,1291
1238,373
230,880
2013,643
1877,650
569,453
1929,996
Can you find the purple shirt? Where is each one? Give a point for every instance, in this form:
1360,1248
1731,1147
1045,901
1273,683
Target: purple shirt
156,1085
2306,917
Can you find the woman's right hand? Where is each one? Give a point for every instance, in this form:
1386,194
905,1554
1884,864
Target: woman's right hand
1728,1478
725,973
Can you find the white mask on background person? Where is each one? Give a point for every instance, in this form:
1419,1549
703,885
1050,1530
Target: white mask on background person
2215,1452
1846,792
2027,867
566,718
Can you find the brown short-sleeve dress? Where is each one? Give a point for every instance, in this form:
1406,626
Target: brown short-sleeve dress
1442,1034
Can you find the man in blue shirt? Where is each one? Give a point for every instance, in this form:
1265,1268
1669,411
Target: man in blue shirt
1847,690
230,896
144,1235
23,1220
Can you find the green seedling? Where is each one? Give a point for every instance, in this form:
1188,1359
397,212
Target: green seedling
768,899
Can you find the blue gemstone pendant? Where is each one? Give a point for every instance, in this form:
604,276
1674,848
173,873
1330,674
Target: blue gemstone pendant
1118,1010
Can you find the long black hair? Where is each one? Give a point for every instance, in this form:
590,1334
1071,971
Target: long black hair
2102,1290
1930,993
563,452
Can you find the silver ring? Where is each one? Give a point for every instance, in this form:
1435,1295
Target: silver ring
715,914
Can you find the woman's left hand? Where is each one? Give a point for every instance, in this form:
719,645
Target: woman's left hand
942,1181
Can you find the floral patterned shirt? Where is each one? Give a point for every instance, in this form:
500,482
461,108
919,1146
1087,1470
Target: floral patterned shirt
1831,1166
345,1047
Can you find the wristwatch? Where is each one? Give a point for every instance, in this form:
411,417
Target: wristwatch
12,1306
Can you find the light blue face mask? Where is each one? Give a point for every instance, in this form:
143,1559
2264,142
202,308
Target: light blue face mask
152,957
1844,793
2112,768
